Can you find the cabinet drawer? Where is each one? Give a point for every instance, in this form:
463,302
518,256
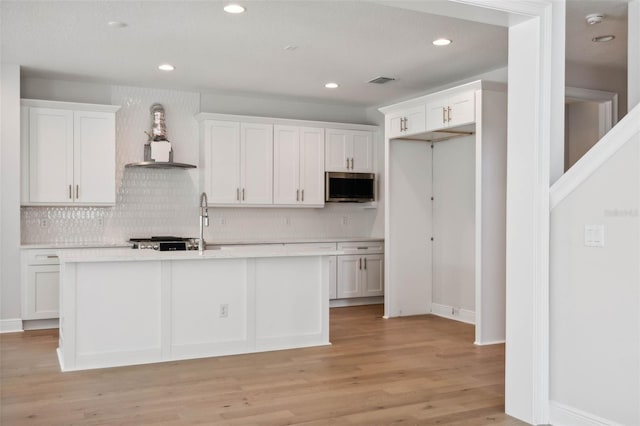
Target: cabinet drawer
311,246
367,247
42,257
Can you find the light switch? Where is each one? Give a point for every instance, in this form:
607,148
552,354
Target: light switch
594,235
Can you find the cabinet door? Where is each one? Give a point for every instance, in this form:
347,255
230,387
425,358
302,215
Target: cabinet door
94,157
337,151
373,284
222,162
41,292
312,166
362,151
50,155
407,122
463,109
349,271
256,167
286,165
437,114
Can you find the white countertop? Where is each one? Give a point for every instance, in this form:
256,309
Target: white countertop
74,245
215,242
131,255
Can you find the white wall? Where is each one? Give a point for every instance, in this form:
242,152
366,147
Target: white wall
582,130
9,194
633,56
595,297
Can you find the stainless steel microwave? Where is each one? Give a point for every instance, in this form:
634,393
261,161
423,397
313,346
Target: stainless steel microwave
350,187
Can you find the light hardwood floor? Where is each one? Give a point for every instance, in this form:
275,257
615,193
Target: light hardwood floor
421,370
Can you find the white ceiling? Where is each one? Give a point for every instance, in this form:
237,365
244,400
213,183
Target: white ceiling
349,42
579,47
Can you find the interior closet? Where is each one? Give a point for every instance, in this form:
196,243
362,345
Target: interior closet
445,202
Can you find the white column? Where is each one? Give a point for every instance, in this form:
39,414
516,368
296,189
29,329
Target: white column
10,312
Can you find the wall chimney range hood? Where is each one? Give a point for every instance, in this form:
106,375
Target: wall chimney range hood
158,153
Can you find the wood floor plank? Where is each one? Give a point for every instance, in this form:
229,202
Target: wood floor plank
420,370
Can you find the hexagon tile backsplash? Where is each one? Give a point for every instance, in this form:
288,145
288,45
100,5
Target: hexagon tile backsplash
165,202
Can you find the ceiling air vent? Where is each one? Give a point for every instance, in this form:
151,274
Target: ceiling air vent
381,80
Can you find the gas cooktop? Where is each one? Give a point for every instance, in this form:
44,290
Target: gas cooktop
165,243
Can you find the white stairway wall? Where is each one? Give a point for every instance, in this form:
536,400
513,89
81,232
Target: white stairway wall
595,298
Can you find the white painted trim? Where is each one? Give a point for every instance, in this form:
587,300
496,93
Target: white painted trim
490,342
202,116
564,415
608,108
68,105
356,301
445,311
601,152
11,325
41,324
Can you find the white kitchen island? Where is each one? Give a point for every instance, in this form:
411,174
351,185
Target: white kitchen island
122,306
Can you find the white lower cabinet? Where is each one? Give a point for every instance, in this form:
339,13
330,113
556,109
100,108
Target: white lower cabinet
40,276
360,274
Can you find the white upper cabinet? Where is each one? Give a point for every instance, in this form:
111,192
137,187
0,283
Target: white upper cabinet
256,167
451,110
238,162
407,122
298,176
94,156
221,162
348,151
68,153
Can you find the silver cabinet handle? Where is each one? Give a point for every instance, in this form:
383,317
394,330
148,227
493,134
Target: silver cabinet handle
52,256
70,196
351,163
360,263
365,263
444,115
242,194
237,194
297,195
302,197
347,162
448,113
77,191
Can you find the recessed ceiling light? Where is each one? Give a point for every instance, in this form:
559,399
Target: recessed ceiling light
594,18
234,8
441,42
290,47
166,67
603,38
117,24
331,85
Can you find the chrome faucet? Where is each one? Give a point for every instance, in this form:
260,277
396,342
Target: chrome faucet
204,220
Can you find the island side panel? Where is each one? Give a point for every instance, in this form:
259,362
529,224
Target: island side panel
208,308
291,302
117,313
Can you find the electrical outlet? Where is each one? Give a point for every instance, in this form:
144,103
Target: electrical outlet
100,222
594,235
44,223
345,220
287,221
224,310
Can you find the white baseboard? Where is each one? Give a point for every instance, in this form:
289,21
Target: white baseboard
563,415
42,324
490,342
450,312
10,325
356,301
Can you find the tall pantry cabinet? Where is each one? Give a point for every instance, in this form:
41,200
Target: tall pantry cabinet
445,210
